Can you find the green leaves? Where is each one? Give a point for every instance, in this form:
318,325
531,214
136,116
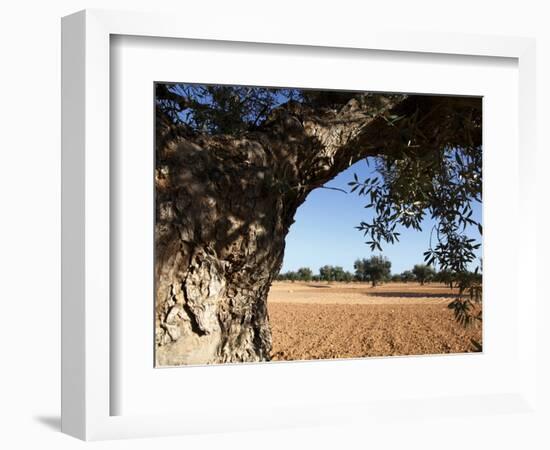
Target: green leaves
373,269
440,182
430,165
465,307
220,109
334,273
423,273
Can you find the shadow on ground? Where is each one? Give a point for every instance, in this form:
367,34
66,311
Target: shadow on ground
51,422
409,294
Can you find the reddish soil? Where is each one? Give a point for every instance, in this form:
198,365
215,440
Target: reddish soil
320,320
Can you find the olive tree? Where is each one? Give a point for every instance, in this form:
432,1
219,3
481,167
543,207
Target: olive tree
233,165
407,276
304,274
373,269
333,273
423,273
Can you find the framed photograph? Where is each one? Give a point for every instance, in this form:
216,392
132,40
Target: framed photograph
269,230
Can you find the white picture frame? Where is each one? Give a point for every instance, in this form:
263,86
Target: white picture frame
87,328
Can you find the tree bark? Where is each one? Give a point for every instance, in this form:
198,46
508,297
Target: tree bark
224,205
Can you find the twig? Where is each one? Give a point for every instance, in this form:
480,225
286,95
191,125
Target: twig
333,189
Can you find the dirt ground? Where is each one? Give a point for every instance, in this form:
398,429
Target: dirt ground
351,320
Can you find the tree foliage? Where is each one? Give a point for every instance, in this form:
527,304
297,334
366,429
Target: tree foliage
224,109
407,276
302,274
423,273
334,273
374,269
447,277
220,109
470,291
326,273
431,167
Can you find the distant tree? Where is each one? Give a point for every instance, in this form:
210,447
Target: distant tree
423,273
325,273
332,273
304,274
338,273
447,277
396,278
288,276
373,269
359,266
407,276
347,276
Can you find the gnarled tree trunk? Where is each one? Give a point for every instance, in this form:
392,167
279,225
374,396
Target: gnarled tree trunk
224,207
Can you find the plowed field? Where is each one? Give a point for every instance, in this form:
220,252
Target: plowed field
339,320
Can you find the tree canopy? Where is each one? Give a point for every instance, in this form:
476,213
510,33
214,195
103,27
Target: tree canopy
373,269
426,150
423,273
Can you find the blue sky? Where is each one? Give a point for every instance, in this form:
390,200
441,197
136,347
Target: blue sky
324,233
